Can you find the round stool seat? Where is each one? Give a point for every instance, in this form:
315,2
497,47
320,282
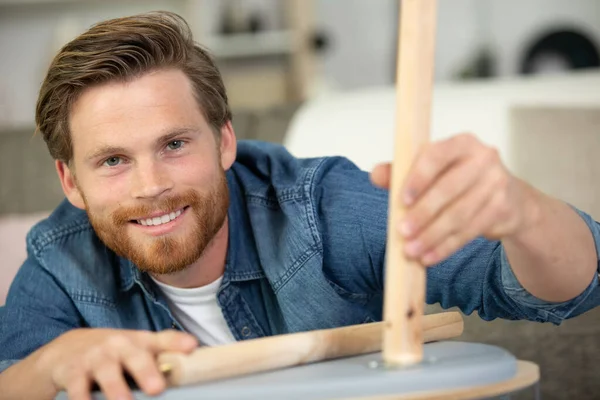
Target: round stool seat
456,370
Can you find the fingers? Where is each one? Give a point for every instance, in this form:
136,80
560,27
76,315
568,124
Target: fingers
432,161
108,355
447,189
103,366
459,190
137,355
108,374
455,241
78,387
169,340
73,379
456,221
143,368
382,175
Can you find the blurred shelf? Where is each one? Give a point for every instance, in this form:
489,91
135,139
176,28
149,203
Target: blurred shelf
46,2
260,44
58,2
7,127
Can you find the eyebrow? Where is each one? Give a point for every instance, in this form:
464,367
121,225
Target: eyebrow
106,150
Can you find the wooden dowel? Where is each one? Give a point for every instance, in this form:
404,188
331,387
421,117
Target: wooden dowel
405,280
266,354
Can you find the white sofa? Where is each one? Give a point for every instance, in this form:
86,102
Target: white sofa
360,124
547,131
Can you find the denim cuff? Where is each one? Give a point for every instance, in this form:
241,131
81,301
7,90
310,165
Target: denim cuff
7,363
548,311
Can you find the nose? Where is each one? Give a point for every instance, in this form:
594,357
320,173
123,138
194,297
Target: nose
150,180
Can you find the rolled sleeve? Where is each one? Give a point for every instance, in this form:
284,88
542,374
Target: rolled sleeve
7,363
554,312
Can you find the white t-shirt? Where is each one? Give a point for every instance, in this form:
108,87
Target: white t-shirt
198,312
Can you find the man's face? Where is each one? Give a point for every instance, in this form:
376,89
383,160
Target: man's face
149,170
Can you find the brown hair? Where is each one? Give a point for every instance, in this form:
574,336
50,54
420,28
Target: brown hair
122,49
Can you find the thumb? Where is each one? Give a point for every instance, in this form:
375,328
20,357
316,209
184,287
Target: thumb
382,175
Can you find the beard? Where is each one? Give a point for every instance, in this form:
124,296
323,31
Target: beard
168,253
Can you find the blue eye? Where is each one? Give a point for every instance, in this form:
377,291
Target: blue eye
175,144
112,161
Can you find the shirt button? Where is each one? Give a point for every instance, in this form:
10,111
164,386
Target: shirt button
246,331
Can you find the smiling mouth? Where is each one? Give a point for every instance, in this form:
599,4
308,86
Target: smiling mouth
162,219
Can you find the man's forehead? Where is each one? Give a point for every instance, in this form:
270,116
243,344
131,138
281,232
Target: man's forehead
151,104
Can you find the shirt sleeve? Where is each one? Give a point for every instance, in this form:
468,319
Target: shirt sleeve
37,310
476,278
552,311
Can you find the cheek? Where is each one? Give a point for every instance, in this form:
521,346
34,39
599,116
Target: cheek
192,172
103,195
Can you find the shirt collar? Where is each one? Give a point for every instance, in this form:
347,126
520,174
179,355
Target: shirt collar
242,262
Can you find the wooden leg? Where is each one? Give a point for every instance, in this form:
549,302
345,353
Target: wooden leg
404,280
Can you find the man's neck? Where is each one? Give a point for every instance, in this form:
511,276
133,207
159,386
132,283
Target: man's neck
208,268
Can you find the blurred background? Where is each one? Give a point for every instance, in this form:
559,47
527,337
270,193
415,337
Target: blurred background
318,76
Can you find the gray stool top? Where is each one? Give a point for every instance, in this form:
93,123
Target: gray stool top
446,365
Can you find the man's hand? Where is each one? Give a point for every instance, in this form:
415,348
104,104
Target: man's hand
458,189
78,358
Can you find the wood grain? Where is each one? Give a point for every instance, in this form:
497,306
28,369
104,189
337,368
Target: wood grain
405,280
270,353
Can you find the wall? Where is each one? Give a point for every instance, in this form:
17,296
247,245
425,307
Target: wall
364,34
30,36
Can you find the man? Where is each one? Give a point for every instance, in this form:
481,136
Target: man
170,223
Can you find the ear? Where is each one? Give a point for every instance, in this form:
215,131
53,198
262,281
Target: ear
69,186
228,146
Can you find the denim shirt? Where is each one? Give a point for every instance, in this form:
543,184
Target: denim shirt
306,251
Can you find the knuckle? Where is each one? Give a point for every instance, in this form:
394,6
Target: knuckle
117,341
145,338
108,374
69,373
169,335
467,138
500,207
458,219
504,212
490,156
93,356
141,362
429,155
455,242
503,182
434,155
428,207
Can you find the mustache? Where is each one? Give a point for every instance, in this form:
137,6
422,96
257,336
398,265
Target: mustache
165,205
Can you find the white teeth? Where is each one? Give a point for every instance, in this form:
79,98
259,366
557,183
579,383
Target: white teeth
160,220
